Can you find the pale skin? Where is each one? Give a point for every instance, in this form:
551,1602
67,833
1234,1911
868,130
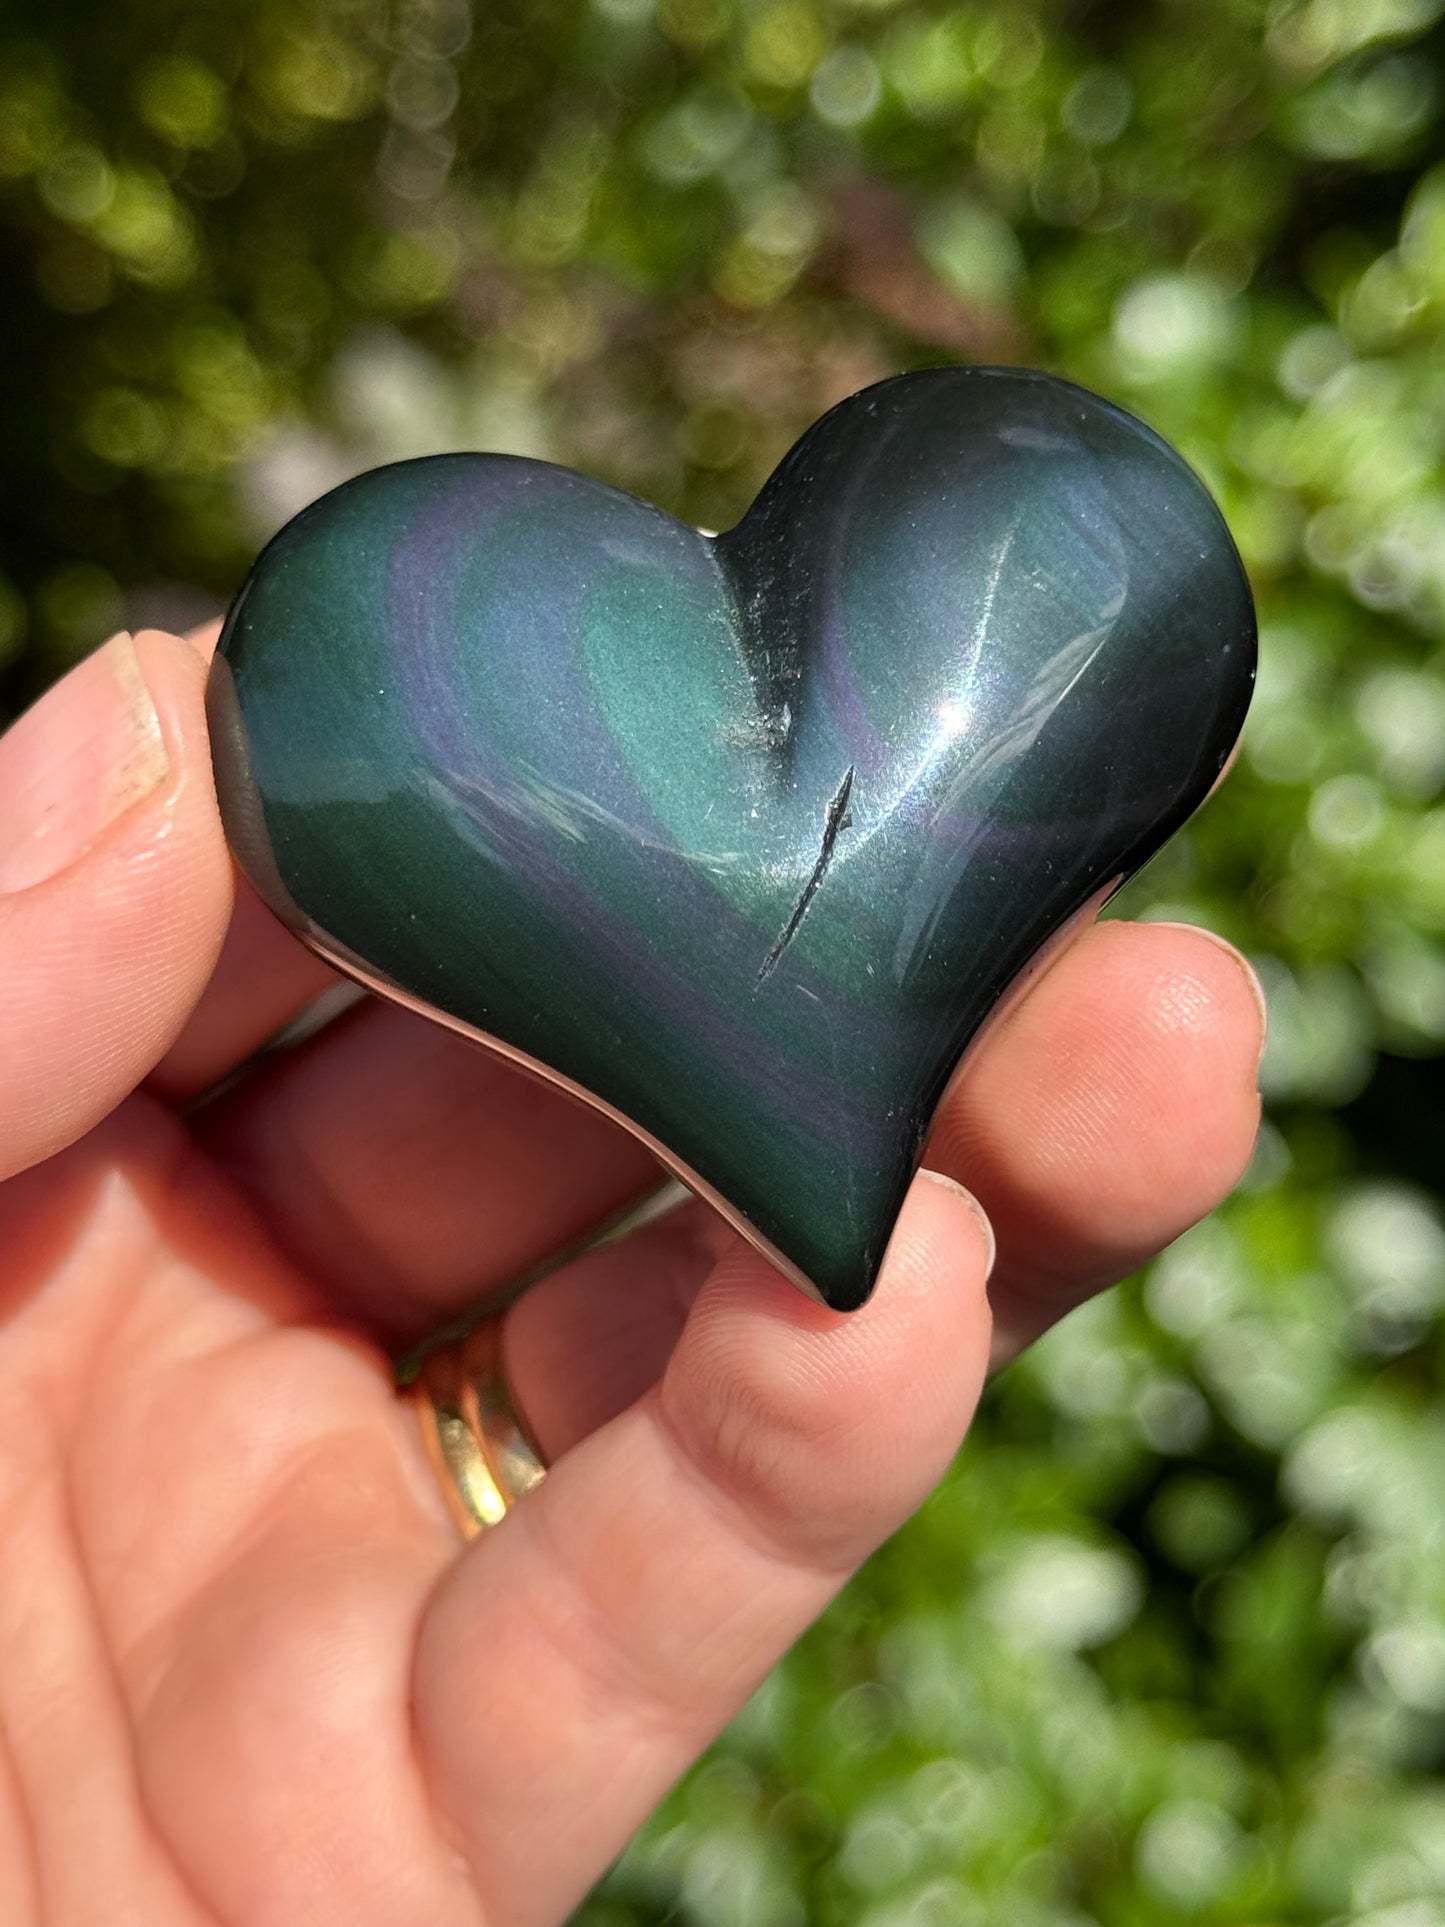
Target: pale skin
248,1672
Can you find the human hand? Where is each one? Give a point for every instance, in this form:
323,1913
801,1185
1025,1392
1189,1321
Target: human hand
247,1670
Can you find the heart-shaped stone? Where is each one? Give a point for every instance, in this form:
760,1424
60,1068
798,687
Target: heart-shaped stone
741,837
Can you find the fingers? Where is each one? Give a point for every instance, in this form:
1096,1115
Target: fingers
115,887
1117,1110
1114,1105
412,1171
644,1589
262,979
587,1341
1112,1109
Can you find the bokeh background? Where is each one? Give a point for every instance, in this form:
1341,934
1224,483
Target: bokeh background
1170,1643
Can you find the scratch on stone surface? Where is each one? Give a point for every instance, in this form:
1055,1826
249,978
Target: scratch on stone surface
835,822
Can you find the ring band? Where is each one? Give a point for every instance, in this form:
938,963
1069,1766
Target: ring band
478,1445
480,1449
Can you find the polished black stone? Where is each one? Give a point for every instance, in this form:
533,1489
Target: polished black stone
743,837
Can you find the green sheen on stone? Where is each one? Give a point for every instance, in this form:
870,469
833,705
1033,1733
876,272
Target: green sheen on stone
741,837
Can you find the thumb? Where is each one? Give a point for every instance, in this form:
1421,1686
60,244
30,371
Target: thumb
115,887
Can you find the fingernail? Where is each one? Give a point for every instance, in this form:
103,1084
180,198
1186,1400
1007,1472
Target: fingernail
1247,969
952,1184
88,751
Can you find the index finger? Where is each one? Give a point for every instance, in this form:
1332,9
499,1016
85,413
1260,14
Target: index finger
643,1590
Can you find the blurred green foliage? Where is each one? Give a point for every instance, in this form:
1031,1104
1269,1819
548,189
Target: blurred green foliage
1170,1643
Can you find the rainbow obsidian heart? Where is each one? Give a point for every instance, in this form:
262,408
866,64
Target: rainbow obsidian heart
743,837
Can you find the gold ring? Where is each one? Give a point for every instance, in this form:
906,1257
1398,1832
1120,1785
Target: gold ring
478,1443
479,1447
